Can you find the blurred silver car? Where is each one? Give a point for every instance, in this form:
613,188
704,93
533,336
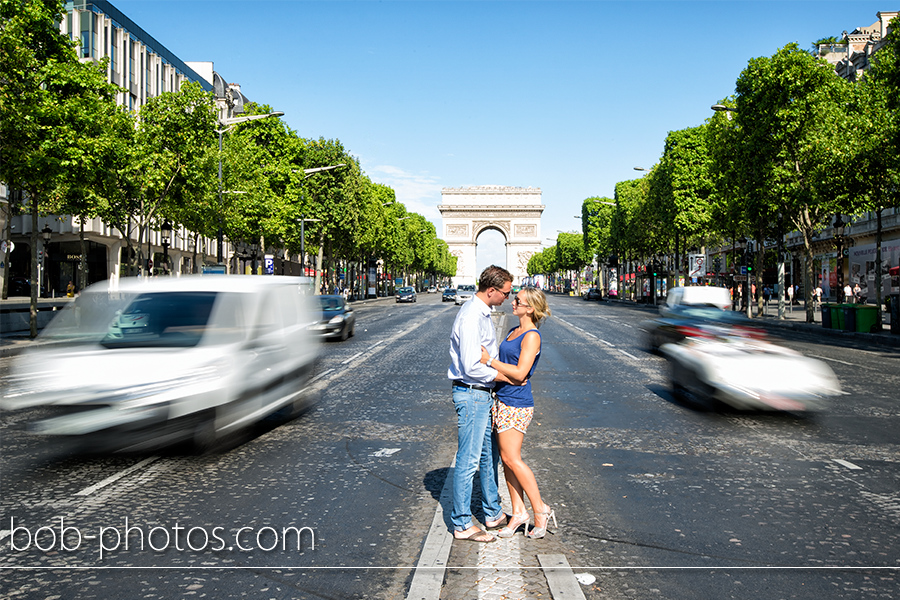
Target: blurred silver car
464,293
154,363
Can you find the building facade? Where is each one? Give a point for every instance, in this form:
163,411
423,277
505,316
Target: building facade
144,68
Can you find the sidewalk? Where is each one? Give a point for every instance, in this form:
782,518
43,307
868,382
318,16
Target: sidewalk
795,318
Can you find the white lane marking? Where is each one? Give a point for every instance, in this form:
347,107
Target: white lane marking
321,375
628,355
843,362
429,574
114,478
850,364
607,343
578,328
355,356
848,464
385,452
376,343
560,577
591,334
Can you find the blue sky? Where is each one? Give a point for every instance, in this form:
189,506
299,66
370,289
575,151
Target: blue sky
565,96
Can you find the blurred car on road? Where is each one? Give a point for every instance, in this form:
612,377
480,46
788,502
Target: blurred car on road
721,364
464,292
687,307
432,290
338,319
405,294
157,362
674,324
448,295
593,294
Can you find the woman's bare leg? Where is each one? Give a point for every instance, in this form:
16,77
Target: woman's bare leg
519,477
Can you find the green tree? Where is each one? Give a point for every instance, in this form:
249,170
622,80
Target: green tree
789,107
873,133
49,103
680,190
174,141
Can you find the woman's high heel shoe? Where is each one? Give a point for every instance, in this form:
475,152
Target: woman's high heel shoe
536,532
515,521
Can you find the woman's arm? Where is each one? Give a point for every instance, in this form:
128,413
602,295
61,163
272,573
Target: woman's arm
517,374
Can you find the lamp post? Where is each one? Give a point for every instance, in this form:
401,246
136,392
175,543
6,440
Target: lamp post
839,227
226,125
46,232
306,175
165,236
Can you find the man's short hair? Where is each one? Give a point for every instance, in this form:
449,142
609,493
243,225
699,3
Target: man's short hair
493,277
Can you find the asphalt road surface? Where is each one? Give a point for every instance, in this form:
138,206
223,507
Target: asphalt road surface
654,499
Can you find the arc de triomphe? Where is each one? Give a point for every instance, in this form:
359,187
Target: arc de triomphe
513,211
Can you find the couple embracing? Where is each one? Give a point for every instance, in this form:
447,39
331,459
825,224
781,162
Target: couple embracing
491,430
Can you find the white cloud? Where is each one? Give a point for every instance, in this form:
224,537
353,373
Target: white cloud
419,193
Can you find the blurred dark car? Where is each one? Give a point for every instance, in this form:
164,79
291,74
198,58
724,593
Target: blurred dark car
593,294
685,320
448,295
406,294
338,318
21,286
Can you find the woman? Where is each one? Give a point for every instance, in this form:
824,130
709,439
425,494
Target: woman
514,408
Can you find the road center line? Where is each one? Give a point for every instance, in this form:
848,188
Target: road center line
355,356
628,355
428,577
848,464
113,478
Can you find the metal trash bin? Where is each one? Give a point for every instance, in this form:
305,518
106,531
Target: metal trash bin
826,316
849,323
867,318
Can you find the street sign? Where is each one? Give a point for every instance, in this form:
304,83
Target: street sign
740,278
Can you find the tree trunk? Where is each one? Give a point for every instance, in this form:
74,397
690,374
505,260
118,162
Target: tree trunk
878,280
35,273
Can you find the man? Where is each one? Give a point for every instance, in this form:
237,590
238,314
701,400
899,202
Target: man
848,292
472,382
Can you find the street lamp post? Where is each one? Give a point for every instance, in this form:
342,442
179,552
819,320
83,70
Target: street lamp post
839,226
165,236
226,125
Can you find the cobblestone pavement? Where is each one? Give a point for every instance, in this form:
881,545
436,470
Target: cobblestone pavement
503,570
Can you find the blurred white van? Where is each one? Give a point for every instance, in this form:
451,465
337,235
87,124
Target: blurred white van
156,362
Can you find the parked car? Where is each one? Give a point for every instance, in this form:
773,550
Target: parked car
338,319
720,364
21,286
406,294
464,292
161,361
593,294
448,295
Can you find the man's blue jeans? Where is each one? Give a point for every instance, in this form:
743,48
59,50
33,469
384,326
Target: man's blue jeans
476,450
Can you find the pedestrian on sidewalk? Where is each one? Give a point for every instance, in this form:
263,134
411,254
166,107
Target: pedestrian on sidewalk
514,409
473,384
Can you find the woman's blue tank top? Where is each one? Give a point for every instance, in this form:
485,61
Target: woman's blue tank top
515,395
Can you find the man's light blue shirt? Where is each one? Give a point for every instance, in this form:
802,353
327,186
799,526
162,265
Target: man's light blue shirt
472,329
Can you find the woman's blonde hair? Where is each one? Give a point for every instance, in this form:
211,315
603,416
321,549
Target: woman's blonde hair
538,301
